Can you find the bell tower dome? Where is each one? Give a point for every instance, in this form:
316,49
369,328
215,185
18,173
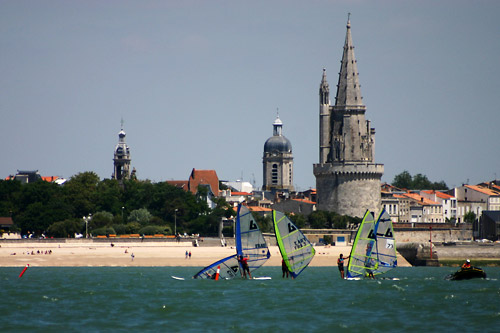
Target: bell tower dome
121,157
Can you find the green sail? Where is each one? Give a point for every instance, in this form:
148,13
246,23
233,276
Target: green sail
295,248
362,260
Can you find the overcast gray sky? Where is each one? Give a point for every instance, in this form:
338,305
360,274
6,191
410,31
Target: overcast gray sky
198,84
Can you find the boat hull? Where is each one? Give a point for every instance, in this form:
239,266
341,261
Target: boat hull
467,274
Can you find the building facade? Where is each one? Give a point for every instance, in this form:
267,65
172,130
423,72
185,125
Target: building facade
347,178
277,161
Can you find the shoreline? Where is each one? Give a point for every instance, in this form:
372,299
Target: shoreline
145,254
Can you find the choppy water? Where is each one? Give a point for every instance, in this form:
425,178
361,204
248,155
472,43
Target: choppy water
147,299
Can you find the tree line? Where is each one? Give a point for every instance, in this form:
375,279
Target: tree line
141,207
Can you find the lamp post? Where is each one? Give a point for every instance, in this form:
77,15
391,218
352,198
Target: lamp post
123,208
87,219
175,222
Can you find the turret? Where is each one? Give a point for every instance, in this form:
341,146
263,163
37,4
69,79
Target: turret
324,119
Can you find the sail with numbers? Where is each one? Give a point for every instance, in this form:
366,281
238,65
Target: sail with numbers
385,249
295,248
249,243
374,248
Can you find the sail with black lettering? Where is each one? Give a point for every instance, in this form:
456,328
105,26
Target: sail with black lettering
250,242
385,249
295,248
228,269
363,260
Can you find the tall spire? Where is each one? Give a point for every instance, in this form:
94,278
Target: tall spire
348,88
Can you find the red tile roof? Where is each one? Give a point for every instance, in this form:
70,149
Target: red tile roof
204,177
481,189
439,194
259,209
421,200
305,201
182,184
6,221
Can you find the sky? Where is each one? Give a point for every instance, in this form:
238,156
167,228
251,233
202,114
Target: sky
198,84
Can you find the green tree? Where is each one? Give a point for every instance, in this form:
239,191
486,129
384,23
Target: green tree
80,190
469,217
142,216
65,228
101,219
403,180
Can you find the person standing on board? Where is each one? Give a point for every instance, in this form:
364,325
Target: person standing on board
284,268
244,267
340,264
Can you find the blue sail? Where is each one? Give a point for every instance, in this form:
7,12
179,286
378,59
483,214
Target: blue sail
229,268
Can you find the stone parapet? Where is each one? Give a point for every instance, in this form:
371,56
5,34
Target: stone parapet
348,168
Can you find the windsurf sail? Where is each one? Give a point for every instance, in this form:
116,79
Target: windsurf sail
385,249
361,260
295,248
249,239
229,269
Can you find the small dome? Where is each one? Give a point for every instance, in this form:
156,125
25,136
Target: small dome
121,134
278,144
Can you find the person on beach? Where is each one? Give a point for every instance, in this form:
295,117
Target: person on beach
189,254
284,268
340,264
244,267
132,256
466,264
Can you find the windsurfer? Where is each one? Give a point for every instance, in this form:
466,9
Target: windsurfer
244,267
284,268
340,263
369,261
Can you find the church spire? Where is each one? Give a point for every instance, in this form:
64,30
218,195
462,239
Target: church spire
348,88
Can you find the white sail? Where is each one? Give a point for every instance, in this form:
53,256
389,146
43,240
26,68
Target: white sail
249,239
385,250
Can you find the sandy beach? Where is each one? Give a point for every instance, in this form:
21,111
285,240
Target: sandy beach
144,254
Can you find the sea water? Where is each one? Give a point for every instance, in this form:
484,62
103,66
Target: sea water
119,299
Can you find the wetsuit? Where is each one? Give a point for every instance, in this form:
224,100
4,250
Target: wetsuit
340,263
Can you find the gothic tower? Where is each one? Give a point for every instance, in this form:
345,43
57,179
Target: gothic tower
347,178
277,160
121,158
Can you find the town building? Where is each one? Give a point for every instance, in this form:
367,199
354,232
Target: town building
448,202
206,179
476,199
347,177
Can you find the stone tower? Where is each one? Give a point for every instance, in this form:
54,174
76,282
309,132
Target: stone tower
277,160
121,158
347,178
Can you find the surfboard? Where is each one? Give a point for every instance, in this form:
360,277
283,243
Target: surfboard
177,278
262,278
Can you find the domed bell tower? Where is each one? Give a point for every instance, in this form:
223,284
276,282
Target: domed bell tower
121,158
277,161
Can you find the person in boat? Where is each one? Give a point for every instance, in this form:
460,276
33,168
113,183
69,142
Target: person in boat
244,267
466,264
284,268
340,264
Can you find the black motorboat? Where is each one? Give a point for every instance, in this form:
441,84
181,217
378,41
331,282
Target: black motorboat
467,274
